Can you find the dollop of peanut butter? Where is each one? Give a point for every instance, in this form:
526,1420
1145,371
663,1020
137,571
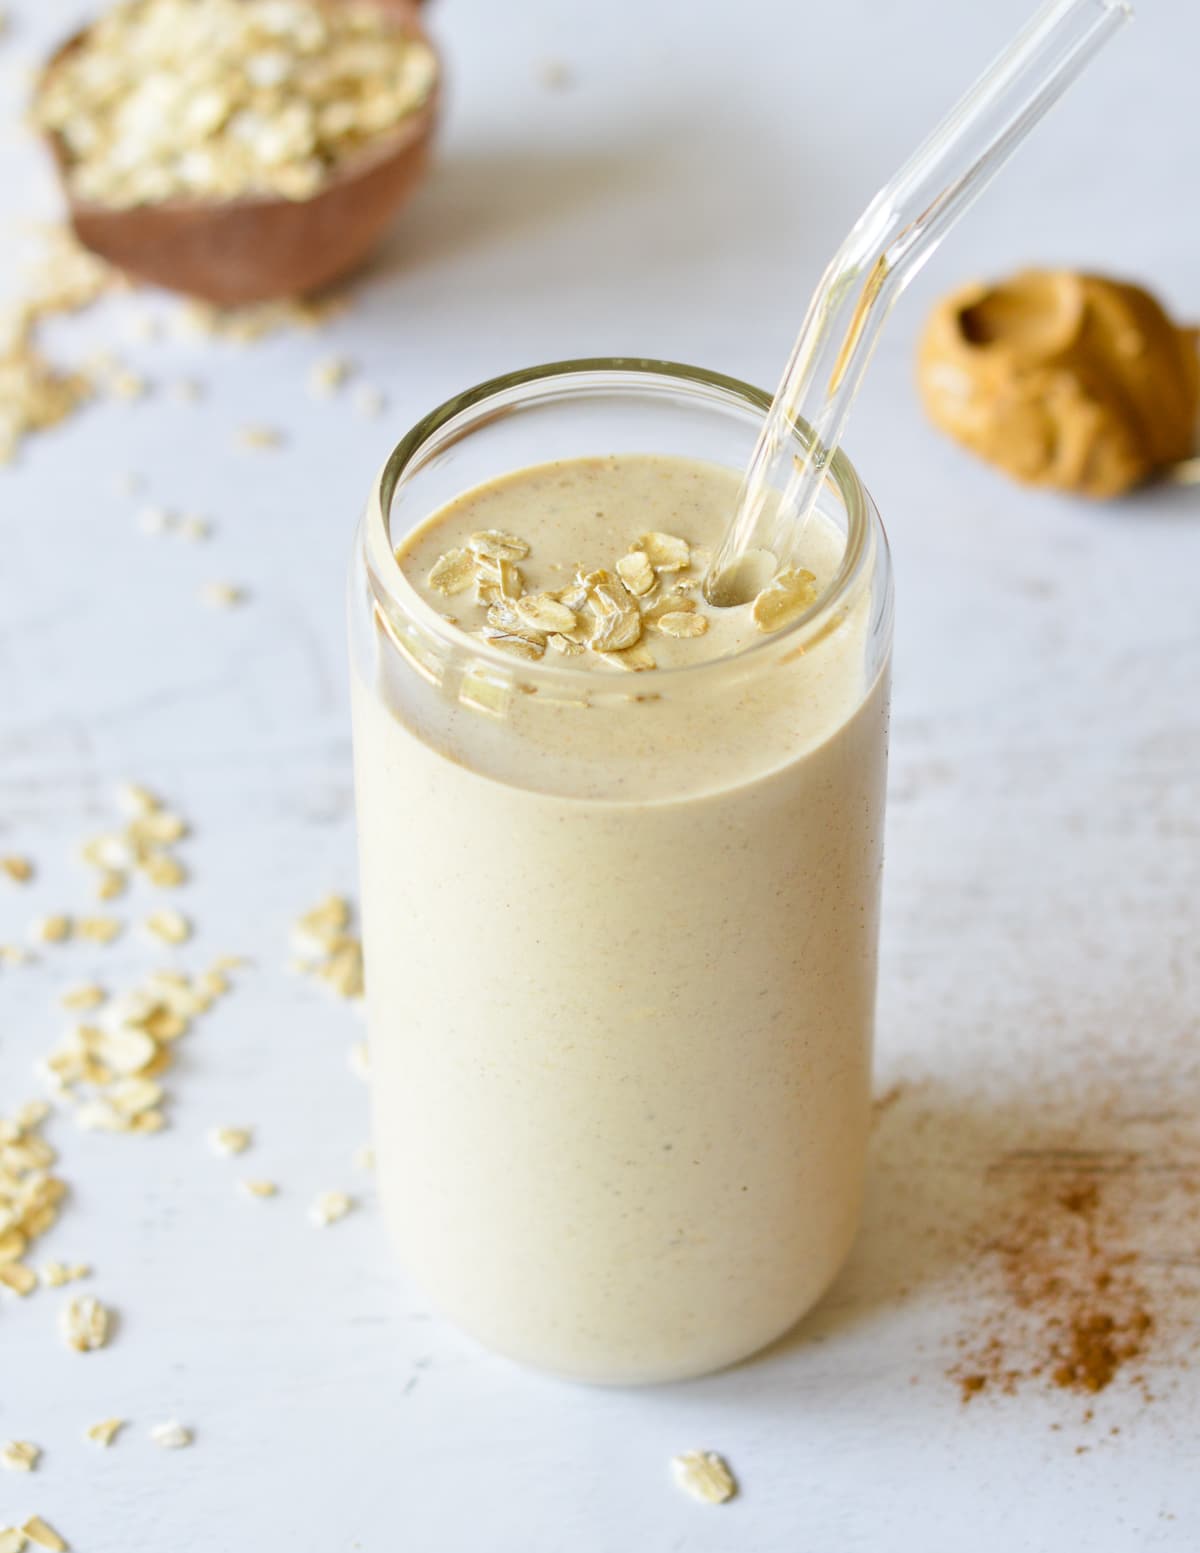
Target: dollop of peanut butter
1062,379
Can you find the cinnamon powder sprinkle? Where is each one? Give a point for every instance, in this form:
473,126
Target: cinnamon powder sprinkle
1074,1310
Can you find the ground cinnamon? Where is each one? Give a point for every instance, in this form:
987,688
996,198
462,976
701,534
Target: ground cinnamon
1074,1309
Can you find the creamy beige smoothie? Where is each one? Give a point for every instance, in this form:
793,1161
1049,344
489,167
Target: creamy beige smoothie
620,883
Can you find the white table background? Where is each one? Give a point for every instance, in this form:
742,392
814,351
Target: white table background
677,200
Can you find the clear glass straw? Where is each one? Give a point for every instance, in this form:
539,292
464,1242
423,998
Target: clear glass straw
887,246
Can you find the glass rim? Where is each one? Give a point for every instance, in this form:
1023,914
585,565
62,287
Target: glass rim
391,586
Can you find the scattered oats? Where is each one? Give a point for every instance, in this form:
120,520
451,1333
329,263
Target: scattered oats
316,931
105,1432
19,1455
99,1116
13,954
544,613
326,377
56,1275
325,948
164,871
137,800
704,1475
157,827
18,869
212,984
12,1539
682,623
33,395
343,971
105,852
245,325
360,1060
83,998
221,595
20,1279
788,595
53,930
259,438
106,1071
497,545
257,1188
41,1532
12,1245
453,572
171,1436
134,1097
100,930
125,1050
149,832
230,1140
636,572
328,1207
364,1158
172,927
124,384
195,529
83,1323
29,1193
111,883
666,552
369,401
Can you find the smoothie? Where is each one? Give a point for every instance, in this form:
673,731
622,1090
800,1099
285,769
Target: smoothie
620,886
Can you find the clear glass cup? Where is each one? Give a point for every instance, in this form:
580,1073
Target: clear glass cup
620,988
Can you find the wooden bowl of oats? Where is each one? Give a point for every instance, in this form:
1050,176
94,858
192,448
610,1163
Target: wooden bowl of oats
240,150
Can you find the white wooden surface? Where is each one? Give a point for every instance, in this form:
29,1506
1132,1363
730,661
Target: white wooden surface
1044,848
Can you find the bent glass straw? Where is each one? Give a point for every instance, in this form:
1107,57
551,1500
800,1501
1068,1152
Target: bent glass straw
887,246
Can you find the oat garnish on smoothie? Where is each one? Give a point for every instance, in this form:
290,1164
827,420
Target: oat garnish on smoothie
784,598
605,611
453,573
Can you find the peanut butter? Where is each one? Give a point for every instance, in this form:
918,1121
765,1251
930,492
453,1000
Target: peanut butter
1062,379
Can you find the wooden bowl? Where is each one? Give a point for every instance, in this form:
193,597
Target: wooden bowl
261,247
